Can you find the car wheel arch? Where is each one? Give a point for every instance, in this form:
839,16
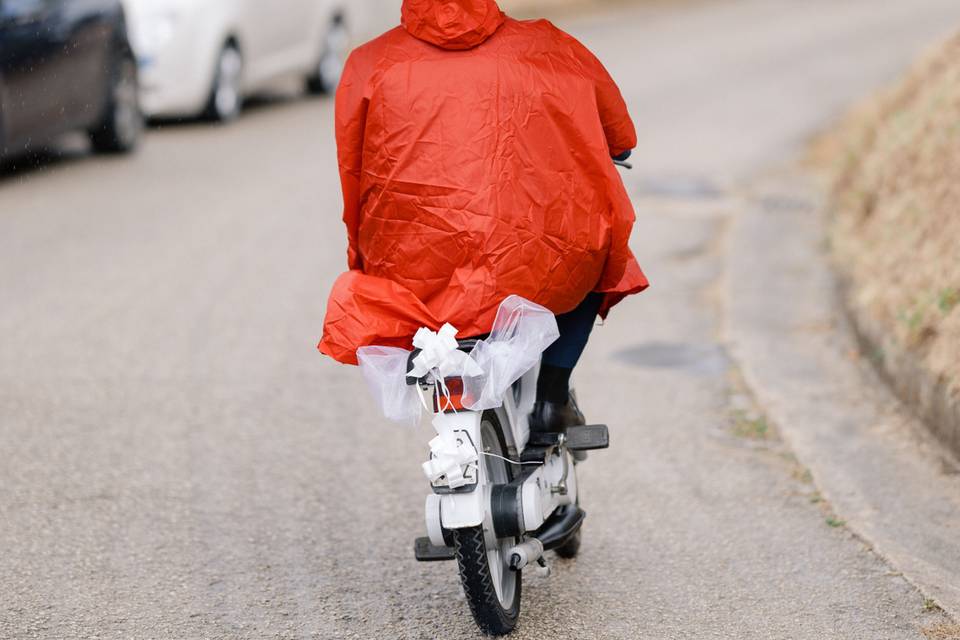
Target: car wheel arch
334,16
228,38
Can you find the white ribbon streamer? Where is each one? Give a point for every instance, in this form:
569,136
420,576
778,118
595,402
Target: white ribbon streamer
520,333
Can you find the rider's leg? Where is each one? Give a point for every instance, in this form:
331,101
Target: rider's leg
554,408
562,356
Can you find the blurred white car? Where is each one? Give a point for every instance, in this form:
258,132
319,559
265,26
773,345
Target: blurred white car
201,57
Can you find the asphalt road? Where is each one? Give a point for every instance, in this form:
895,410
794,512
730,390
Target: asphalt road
178,462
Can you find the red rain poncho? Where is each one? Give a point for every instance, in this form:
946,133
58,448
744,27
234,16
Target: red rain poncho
474,153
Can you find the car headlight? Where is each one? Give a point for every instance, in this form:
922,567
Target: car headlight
155,33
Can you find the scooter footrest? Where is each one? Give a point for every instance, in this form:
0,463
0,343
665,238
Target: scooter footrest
426,551
588,437
544,439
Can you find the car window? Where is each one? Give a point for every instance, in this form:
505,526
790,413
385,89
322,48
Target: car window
23,8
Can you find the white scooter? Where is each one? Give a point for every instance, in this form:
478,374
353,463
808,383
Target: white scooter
502,495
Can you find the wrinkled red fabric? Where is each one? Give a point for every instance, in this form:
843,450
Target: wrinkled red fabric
474,154
452,25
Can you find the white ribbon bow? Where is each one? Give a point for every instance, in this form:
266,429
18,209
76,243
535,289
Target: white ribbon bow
450,457
439,355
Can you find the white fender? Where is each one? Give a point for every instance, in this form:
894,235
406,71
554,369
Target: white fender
459,510
434,528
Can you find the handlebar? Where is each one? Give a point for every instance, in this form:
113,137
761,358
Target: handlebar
621,160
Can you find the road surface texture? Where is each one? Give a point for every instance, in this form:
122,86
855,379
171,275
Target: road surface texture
179,463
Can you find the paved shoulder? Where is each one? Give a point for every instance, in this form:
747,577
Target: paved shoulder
884,476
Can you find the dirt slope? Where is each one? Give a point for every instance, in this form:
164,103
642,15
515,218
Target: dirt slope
896,228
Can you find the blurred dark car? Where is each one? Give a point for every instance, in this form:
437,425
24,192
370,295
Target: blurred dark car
66,65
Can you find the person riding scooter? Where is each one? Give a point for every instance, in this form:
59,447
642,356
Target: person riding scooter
475,158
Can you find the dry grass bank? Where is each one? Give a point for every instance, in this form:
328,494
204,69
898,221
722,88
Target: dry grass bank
895,171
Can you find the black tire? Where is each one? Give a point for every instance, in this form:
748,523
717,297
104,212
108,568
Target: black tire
325,76
226,98
122,125
571,546
493,616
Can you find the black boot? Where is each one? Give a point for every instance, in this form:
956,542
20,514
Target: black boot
554,416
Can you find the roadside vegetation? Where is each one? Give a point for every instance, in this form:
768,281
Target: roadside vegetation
894,166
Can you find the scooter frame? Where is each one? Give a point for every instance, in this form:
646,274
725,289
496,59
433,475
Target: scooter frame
551,484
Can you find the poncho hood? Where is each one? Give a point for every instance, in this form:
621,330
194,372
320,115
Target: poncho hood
451,24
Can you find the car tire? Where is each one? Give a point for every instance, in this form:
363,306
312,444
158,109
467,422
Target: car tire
122,125
226,91
325,77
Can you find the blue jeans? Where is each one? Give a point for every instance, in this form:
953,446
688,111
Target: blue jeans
575,327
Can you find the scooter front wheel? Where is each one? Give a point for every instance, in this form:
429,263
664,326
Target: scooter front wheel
491,614
491,587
